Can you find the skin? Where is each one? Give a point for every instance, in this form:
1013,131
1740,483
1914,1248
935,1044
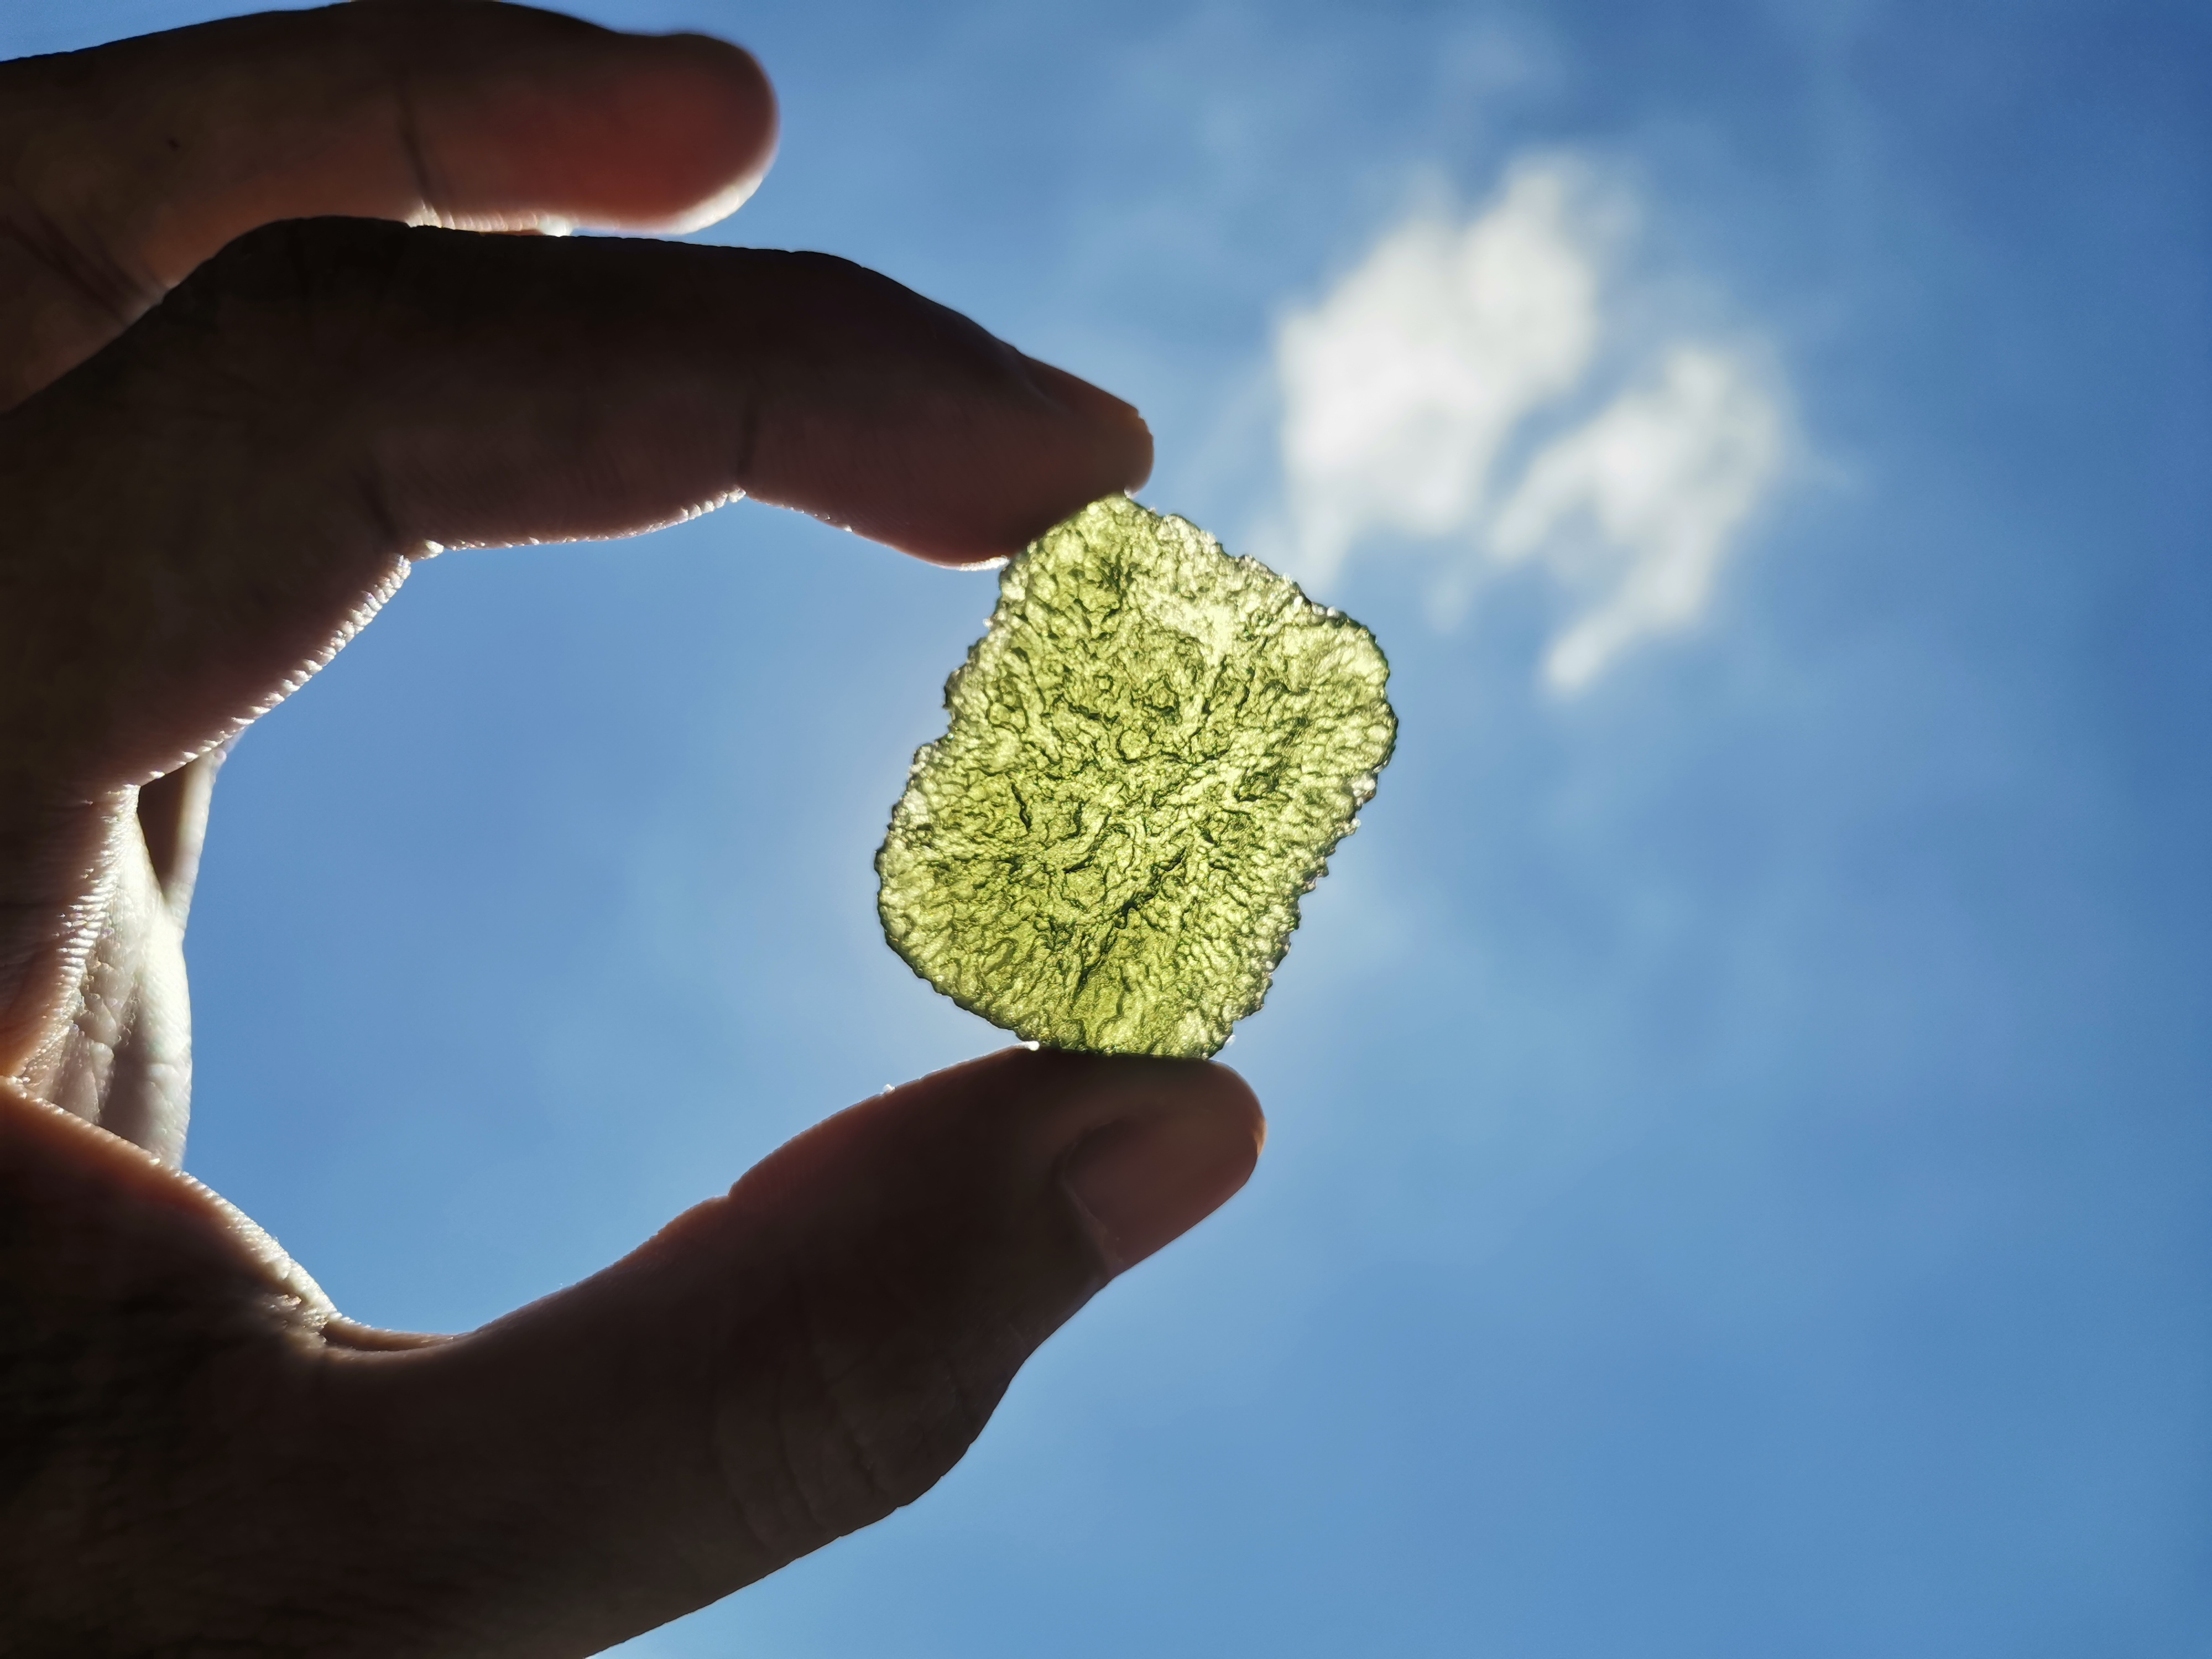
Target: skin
231,422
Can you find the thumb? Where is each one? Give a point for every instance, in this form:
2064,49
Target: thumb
778,1367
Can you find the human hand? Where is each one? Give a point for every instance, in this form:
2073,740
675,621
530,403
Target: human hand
203,496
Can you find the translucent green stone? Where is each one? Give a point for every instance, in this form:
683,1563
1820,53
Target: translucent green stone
1153,752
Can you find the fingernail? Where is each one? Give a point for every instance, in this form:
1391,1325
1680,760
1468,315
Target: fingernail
1094,402
1147,1182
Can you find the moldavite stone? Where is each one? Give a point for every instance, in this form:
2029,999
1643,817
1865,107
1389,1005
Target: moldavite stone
1153,752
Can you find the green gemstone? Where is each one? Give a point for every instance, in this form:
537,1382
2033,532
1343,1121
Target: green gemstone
1153,752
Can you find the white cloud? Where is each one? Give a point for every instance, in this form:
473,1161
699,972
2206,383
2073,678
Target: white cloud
1661,479
1400,387
1406,386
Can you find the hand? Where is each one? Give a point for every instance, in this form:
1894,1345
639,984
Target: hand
230,428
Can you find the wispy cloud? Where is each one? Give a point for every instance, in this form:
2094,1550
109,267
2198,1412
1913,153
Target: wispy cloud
1410,391
1660,480
1401,385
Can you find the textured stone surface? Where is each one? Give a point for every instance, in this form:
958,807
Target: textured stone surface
1151,753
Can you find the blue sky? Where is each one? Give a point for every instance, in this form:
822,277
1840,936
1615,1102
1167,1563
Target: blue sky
1740,1180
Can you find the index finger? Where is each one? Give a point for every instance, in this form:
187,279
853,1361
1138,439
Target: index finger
124,166
331,398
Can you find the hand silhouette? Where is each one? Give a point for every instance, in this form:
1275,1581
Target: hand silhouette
230,425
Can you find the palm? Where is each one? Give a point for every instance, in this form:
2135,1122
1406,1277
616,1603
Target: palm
115,1046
